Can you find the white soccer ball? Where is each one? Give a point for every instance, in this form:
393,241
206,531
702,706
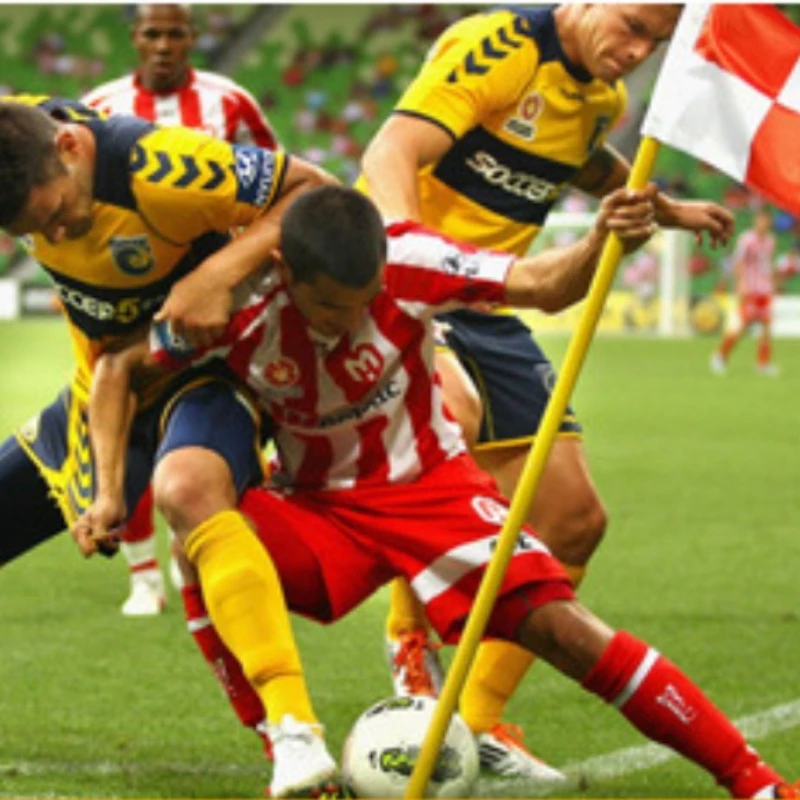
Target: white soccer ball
382,748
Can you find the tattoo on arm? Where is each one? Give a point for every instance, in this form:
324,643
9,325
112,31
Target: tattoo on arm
602,173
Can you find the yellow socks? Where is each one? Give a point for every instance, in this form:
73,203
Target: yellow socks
496,672
245,601
406,613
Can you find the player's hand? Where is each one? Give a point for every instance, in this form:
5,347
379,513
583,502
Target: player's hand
699,216
628,213
197,310
99,527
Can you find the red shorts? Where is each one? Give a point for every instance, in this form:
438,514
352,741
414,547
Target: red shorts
333,549
755,308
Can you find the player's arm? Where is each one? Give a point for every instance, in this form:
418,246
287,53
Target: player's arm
558,277
198,306
401,148
608,170
112,406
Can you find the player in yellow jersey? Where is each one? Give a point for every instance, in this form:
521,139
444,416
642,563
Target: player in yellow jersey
509,109
117,211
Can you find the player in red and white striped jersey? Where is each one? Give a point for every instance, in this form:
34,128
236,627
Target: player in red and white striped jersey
165,89
338,346
754,275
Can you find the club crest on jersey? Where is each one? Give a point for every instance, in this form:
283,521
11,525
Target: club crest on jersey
365,364
283,373
132,254
522,123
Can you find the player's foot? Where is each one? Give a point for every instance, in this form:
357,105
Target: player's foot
718,364
502,751
414,662
147,596
770,370
779,790
302,765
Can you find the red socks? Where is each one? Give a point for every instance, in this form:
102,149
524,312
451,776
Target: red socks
246,703
659,700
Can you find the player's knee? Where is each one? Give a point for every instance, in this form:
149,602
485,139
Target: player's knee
575,534
190,487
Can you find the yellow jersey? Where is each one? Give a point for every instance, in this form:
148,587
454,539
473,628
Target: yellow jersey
164,199
524,120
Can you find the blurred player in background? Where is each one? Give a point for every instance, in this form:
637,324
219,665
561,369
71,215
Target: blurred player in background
166,89
755,277
509,109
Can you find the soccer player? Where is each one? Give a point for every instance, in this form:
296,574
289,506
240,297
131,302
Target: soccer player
164,88
755,281
375,480
509,108
117,211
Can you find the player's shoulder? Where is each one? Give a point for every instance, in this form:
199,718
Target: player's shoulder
214,81
110,88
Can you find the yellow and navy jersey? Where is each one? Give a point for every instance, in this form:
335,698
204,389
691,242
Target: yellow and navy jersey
524,120
164,199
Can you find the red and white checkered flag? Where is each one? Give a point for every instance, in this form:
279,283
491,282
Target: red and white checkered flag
729,94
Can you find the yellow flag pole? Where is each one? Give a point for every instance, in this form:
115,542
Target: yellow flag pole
641,171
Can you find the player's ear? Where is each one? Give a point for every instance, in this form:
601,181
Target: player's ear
280,264
67,141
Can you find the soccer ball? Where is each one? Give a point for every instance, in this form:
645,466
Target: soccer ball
382,748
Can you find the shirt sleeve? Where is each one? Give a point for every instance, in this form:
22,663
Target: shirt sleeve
426,267
187,184
479,65
252,126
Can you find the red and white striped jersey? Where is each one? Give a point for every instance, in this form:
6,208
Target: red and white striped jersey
365,409
755,254
207,102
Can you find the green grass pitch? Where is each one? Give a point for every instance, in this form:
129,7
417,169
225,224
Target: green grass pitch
702,555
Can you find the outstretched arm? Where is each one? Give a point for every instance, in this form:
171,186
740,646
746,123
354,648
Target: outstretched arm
112,406
558,277
608,170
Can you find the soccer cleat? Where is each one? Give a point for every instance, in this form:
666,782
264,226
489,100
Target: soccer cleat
147,596
415,665
502,751
770,370
781,791
302,765
718,364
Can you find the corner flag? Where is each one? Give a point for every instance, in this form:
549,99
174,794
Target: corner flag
729,94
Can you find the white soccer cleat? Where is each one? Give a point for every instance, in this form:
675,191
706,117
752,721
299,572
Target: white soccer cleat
502,752
414,662
717,364
302,765
147,597
770,370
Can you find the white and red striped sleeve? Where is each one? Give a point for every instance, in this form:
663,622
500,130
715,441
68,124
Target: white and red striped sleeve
425,266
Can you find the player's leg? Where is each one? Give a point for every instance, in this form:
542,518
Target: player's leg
651,692
764,362
515,379
411,651
721,356
207,458
30,517
138,546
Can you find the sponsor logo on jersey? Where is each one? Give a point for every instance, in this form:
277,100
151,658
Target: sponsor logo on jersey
282,373
522,123
355,413
521,184
489,510
458,263
124,311
255,173
132,254
365,364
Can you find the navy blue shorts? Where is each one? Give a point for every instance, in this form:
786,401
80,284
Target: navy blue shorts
511,373
46,470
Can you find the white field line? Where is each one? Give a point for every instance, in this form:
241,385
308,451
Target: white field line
612,765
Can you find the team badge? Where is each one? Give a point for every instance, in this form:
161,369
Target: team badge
282,373
132,254
522,123
489,510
